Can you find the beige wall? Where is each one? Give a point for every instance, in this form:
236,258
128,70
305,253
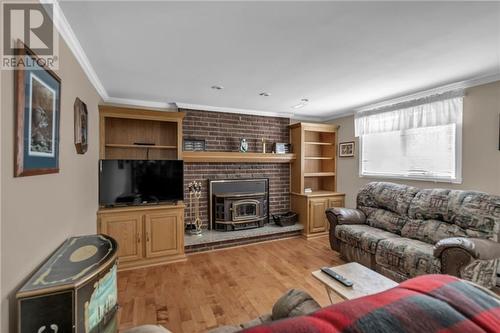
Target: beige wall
40,212
480,154
1,211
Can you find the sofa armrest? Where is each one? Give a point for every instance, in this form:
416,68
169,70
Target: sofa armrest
472,259
477,248
345,216
339,216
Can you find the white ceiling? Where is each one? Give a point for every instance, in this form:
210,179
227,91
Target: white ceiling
339,55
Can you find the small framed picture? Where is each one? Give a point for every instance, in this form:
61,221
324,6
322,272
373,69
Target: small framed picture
38,104
346,149
81,126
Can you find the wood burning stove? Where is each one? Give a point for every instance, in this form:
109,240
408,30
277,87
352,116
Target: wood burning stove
238,203
239,210
246,209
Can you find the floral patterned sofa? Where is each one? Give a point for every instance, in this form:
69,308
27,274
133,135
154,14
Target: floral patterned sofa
402,231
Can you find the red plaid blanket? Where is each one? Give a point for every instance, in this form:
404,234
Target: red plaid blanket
426,304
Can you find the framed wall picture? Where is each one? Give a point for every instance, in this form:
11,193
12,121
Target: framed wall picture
38,105
346,149
81,126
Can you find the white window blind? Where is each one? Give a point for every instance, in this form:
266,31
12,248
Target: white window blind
421,141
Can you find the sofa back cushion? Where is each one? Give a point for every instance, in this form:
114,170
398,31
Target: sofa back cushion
389,196
386,220
431,204
468,213
430,215
479,212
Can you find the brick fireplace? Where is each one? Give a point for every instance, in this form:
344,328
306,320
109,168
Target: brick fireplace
222,132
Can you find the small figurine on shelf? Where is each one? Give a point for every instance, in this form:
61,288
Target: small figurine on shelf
263,146
194,189
243,145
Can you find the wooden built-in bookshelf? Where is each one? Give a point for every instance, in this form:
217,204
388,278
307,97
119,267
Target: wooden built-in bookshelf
314,168
315,147
127,133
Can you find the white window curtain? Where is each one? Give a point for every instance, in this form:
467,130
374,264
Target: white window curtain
419,139
443,109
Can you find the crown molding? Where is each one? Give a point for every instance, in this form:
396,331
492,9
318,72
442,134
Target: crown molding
187,106
141,103
477,81
65,30
235,110
474,82
313,119
341,114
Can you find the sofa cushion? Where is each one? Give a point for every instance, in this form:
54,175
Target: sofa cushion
472,211
386,220
407,256
389,196
432,231
430,204
479,212
294,303
362,236
482,272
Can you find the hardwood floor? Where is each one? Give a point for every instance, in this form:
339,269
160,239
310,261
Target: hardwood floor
223,287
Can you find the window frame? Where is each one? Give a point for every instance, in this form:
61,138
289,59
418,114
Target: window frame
458,163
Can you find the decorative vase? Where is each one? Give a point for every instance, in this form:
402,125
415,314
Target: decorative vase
243,145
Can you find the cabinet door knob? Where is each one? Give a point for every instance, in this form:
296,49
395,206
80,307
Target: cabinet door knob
147,237
138,238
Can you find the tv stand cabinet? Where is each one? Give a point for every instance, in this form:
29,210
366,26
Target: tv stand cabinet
146,235
151,234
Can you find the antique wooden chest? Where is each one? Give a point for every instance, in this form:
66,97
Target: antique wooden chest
75,290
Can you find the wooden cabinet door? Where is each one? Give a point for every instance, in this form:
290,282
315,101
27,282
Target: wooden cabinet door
317,216
126,229
164,233
335,202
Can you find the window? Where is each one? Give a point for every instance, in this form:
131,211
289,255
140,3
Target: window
418,142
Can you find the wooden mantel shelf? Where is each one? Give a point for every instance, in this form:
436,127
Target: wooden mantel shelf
216,156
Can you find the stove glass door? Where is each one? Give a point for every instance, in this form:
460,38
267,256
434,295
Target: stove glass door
245,209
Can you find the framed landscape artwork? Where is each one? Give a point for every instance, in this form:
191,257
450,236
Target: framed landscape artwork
346,149
38,105
81,126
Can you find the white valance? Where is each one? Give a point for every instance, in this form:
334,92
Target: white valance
442,109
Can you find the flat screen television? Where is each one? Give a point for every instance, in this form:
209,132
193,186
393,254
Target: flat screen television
139,182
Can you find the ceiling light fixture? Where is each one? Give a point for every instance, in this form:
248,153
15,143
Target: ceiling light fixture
303,102
216,87
264,94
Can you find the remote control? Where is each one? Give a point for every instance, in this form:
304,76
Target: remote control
336,276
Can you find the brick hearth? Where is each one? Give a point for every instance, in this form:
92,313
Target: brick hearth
212,240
